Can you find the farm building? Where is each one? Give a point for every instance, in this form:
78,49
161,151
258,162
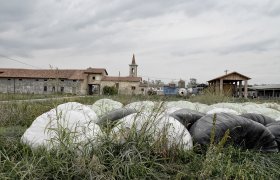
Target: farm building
266,91
170,89
73,81
230,84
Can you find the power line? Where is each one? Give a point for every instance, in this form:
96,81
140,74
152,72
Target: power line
12,59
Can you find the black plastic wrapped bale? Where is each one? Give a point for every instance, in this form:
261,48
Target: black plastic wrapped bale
274,128
187,117
115,115
259,118
243,132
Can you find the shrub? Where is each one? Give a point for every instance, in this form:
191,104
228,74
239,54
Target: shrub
110,90
151,92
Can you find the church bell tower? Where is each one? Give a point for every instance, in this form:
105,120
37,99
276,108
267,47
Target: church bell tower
133,68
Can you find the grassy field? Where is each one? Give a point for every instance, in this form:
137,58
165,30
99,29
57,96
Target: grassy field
135,159
11,96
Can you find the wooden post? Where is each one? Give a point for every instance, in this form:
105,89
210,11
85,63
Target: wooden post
221,86
240,89
246,89
217,86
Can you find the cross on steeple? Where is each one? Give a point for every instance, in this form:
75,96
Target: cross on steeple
226,71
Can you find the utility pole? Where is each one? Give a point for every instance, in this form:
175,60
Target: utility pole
14,85
119,82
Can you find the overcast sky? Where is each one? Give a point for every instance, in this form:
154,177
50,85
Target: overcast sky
171,39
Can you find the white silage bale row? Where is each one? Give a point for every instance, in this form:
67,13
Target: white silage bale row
274,114
203,108
181,104
233,106
222,110
250,104
142,106
272,106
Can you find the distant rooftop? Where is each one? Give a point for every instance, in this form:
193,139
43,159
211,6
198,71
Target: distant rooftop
231,76
122,79
268,87
49,73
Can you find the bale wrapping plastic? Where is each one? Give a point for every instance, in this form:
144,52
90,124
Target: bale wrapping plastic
243,132
187,116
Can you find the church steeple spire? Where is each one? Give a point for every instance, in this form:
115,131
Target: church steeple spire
133,59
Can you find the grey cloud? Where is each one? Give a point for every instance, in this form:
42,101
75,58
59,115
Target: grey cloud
162,32
272,8
15,10
126,10
259,46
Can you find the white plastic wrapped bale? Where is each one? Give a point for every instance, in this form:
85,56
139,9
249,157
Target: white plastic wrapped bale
103,106
173,106
234,106
257,109
52,128
115,115
203,108
272,106
74,106
174,131
142,106
222,110
171,110
181,104
243,132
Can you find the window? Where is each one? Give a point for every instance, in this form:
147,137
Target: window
142,89
53,89
133,87
62,80
117,85
62,89
93,78
74,80
20,79
45,88
9,79
45,79
37,79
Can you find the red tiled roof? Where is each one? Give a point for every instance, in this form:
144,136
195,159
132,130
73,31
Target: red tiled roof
77,74
123,79
96,70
